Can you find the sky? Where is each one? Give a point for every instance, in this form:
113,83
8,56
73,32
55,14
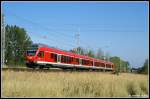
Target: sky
118,28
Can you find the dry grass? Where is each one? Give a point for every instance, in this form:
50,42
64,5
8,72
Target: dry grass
72,84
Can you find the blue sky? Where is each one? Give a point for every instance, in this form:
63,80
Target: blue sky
119,28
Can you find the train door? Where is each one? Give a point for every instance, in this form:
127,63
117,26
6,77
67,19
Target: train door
58,58
93,63
41,56
80,61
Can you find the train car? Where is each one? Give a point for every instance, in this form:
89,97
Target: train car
43,56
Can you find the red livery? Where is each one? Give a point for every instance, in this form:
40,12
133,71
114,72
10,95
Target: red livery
44,56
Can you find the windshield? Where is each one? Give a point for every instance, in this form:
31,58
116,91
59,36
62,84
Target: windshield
31,53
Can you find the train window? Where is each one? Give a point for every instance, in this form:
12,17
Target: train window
41,54
92,63
96,63
77,60
107,65
31,52
54,56
66,59
58,58
102,64
84,62
62,58
69,59
80,61
87,62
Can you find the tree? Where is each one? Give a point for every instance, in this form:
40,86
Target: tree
144,68
120,64
78,50
91,53
107,56
116,61
16,42
127,66
99,54
123,66
2,40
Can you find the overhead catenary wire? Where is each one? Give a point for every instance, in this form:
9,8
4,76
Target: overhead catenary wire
56,36
70,43
54,43
40,25
54,40
51,35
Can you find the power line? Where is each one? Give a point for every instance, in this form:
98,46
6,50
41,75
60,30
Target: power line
40,25
55,41
58,35
77,41
46,28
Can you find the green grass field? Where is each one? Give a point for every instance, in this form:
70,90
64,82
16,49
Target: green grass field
73,84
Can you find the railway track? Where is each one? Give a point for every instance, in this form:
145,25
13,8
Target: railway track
33,70
44,70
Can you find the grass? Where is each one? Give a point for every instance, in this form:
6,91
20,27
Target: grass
73,84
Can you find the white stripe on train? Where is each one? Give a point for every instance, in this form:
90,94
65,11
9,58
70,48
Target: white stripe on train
71,65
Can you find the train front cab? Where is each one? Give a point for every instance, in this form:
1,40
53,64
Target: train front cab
30,58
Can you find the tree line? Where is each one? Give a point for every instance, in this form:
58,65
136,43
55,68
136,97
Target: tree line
120,64
17,41
144,68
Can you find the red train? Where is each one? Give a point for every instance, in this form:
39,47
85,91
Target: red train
44,57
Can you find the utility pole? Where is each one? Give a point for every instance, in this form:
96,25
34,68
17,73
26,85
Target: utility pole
78,41
120,65
3,40
105,52
104,56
